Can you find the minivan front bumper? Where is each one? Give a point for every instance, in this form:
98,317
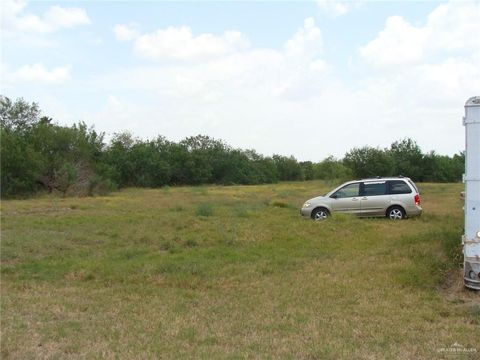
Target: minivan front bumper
306,212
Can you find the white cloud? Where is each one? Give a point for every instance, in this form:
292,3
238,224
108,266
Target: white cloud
58,17
319,65
455,26
398,43
120,114
307,40
126,32
37,73
422,75
337,7
179,43
452,26
273,72
432,66
15,19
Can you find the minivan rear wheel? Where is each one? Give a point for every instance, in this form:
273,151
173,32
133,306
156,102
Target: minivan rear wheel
320,214
396,213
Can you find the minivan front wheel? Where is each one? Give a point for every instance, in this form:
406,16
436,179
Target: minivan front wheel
396,213
320,214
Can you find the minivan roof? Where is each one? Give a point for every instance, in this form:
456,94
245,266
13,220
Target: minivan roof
384,178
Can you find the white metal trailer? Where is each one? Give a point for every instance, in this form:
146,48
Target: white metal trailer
471,239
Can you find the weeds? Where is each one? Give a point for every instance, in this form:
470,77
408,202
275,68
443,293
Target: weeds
177,208
204,209
280,204
191,243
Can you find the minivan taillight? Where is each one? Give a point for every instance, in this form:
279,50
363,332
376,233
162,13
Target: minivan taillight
417,199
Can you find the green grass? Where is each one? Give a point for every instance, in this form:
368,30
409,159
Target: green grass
231,273
204,209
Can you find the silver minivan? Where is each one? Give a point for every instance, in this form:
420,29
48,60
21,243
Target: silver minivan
393,197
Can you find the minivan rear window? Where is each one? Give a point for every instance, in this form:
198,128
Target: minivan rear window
414,186
398,187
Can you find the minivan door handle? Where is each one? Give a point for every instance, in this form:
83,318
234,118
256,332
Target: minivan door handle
354,199
364,198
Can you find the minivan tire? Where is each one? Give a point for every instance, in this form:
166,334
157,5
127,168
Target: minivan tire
320,214
396,213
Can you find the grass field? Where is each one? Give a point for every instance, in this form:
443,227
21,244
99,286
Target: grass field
231,273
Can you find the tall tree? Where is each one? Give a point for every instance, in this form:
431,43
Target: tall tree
408,159
369,162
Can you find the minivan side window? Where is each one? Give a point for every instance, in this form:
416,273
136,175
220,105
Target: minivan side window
374,189
350,190
398,187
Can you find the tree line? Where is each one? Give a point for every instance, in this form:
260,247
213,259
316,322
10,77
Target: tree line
38,154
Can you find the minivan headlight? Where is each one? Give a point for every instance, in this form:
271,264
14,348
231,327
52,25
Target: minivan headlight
307,204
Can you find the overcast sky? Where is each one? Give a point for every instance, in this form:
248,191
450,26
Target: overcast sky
308,79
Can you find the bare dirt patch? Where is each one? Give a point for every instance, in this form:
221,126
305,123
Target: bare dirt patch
454,291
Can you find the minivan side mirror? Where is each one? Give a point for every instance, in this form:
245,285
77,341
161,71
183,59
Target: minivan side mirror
334,196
